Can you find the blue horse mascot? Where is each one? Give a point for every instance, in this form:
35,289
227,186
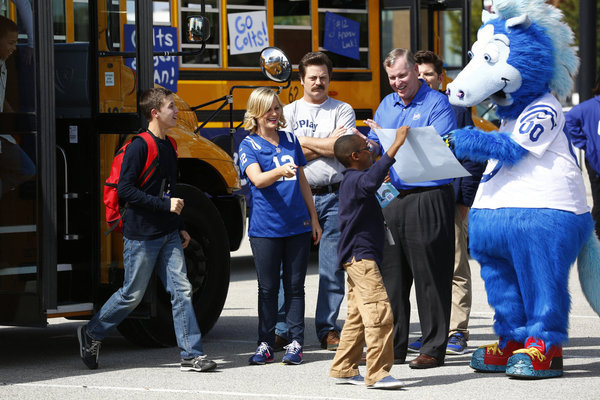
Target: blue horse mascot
530,220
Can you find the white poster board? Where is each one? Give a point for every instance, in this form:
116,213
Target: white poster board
424,156
247,32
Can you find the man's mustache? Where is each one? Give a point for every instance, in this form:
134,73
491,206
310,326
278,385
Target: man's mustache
319,87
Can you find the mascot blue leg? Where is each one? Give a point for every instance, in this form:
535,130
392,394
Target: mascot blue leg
525,262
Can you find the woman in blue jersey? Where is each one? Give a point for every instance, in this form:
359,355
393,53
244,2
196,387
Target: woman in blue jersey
282,221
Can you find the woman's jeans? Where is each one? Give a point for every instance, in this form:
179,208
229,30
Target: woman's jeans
290,253
140,258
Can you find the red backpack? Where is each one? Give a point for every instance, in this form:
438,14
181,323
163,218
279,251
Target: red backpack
114,211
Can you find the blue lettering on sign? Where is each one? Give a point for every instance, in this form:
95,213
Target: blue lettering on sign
531,122
248,33
341,35
305,123
166,68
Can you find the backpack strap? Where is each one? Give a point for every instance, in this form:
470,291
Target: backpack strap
151,159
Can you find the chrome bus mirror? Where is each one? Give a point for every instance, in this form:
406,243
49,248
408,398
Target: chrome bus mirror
275,64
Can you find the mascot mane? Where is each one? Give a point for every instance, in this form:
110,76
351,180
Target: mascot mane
550,19
523,50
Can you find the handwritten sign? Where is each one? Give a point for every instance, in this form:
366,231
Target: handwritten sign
166,69
341,35
247,32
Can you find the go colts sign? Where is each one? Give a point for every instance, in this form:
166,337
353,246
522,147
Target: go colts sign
247,32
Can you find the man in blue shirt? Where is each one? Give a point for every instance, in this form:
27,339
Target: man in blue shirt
583,124
420,243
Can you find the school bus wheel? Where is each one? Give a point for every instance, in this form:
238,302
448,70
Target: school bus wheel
207,261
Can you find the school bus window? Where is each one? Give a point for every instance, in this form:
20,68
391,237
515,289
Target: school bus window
161,11
354,10
292,28
81,21
212,55
245,3
240,6
196,4
345,4
451,39
60,24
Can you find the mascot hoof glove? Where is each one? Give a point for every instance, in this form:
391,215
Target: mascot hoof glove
534,362
493,358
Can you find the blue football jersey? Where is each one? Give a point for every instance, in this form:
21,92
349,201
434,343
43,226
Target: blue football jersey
278,210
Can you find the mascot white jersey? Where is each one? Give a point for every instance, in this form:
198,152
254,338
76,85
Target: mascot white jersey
530,221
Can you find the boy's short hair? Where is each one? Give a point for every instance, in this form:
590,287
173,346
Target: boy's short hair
344,147
314,58
7,25
153,99
429,57
259,103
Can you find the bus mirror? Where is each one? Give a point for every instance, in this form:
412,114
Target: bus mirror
275,64
198,29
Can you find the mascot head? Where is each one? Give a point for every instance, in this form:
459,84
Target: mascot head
523,50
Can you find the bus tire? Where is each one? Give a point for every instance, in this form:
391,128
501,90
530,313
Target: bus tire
207,259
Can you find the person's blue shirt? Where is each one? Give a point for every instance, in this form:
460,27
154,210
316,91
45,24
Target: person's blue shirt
582,123
428,108
278,210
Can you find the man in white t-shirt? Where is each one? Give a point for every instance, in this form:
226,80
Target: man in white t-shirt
318,120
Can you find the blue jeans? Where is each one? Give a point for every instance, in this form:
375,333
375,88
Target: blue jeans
270,255
140,258
331,276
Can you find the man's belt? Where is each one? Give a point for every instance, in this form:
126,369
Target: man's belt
334,187
420,189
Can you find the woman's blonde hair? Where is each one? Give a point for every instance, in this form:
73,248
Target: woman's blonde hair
259,103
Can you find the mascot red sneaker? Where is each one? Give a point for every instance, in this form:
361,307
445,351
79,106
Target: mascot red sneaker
530,219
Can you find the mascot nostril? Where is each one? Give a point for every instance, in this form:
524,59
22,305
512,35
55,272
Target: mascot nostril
532,188
447,92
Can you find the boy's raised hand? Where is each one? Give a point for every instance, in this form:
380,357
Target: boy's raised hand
398,141
401,135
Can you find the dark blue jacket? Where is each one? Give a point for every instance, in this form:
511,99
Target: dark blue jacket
148,215
361,223
466,187
583,125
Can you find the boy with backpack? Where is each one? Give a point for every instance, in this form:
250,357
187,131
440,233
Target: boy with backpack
154,237
360,251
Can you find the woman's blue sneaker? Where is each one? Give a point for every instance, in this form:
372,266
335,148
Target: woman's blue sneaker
415,347
457,344
293,353
263,355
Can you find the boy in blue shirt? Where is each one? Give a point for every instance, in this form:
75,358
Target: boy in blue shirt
360,251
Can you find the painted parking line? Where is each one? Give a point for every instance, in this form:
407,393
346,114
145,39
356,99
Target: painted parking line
181,391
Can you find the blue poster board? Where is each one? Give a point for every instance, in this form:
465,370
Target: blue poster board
341,35
166,69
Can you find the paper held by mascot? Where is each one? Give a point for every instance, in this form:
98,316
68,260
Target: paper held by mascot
530,220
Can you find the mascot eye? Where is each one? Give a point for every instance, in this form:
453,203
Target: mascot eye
491,53
470,54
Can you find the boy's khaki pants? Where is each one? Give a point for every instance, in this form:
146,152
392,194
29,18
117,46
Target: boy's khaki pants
369,320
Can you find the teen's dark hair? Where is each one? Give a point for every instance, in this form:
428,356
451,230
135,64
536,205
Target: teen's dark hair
152,99
429,57
7,25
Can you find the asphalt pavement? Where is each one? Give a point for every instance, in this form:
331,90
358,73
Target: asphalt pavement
44,363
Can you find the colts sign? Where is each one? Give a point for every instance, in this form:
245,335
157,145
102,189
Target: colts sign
166,69
247,32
